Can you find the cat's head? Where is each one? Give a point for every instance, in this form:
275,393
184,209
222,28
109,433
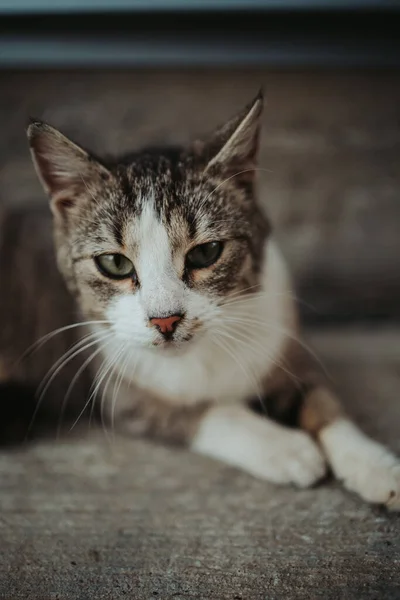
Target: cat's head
156,243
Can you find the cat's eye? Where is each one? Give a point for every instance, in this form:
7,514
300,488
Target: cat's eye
115,266
204,255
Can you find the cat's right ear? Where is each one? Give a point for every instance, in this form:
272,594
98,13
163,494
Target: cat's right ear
232,150
69,174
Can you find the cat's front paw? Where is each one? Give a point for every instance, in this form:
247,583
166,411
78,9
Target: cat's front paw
364,466
260,447
375,477
296,460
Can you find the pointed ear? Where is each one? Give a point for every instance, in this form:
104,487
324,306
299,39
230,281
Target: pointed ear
66,171
234,146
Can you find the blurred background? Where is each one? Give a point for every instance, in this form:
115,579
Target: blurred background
119,74
140,520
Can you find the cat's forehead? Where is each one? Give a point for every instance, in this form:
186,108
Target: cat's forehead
161,211
156,190
167,180
177,190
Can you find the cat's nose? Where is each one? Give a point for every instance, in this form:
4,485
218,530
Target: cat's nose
166,325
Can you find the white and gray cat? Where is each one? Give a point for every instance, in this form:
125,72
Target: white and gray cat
189,312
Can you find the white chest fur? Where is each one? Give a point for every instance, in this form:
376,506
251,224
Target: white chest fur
224,368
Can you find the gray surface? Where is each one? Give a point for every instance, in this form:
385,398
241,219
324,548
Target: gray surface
98,516
330,151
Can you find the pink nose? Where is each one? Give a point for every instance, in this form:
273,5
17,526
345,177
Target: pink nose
167,324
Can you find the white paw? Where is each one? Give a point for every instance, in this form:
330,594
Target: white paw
294,458
260,447
364,466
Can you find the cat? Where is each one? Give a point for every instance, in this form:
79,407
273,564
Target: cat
190,319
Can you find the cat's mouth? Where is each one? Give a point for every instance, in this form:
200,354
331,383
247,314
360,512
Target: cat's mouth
183,336
174,343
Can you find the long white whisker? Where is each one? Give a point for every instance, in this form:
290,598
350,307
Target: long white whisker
61,362
76,377
104,393
40,342
100,376
247,298
92,396
66,355
117,387
61,365
249,322
94,387
236,175
242,292
229,351
278,363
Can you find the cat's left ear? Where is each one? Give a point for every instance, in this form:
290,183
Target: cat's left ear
233,148
67,172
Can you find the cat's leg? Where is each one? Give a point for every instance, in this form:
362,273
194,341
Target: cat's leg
232,434
363,465
299,393
259,446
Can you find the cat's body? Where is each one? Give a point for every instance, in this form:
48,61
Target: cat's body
191,309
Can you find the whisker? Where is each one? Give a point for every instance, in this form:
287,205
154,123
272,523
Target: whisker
236,175
103,396
229,351
278,363
94,387
61,364
74,380
247,298
270,328
102,373
100,376
66,355
40,342
117,387
238,293
92,396
266,294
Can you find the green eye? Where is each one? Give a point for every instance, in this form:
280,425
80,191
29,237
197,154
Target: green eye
204,255
116,266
